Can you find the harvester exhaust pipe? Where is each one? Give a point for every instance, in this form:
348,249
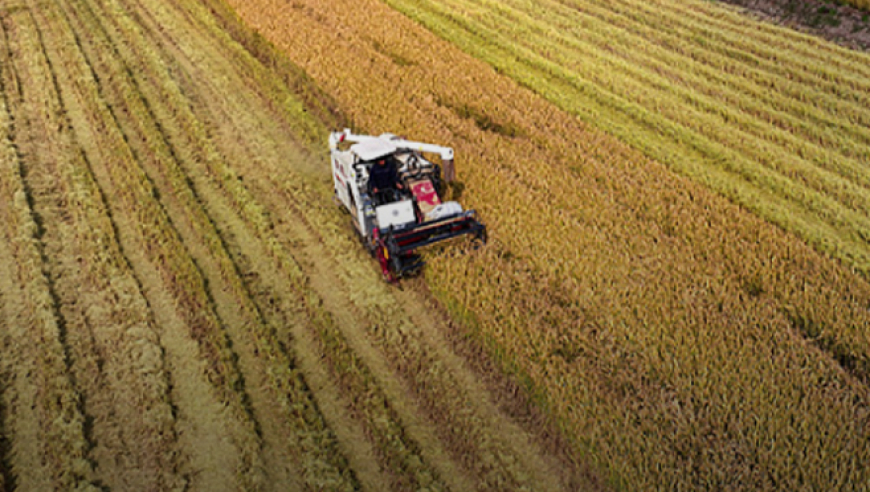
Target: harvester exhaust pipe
449,170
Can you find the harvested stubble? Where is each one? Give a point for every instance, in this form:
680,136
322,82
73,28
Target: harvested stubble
153,244
41,405
683,342
225,318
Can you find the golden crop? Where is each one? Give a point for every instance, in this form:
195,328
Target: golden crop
681,341
181,307
773,120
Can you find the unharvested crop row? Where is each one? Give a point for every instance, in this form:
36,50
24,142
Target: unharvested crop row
605,83
861,4
682,342
397,453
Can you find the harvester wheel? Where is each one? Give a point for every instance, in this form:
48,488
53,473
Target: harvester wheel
383,255
394,256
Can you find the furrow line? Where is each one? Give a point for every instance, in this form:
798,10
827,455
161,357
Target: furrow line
10,293
8,155
383,424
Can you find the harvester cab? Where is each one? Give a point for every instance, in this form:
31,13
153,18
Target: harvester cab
393,194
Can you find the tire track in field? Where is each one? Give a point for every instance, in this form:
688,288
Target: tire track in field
313,472
231,137
114,349
334,306
46,428
320,465
217,439
12,422
8,155
7,479
20,425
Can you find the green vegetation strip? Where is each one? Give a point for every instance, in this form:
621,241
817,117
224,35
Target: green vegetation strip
781,131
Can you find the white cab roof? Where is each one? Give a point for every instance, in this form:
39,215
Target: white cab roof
371,149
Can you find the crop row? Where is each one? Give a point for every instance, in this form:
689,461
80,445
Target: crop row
681,341
793,154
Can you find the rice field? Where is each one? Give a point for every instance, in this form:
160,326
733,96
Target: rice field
674,294
774,120
676,250
182,307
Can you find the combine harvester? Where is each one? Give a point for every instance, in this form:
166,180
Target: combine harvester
394,196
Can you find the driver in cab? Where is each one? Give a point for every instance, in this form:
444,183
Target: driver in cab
384,180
